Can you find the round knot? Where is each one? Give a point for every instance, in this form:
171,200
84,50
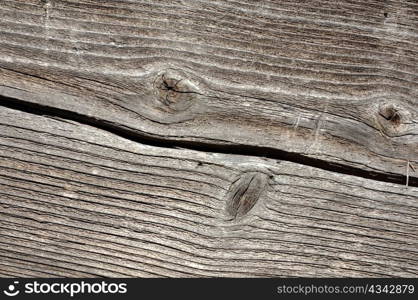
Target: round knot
175,90
394,118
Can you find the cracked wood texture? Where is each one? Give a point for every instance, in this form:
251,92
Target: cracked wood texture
79,201
316,78
208,138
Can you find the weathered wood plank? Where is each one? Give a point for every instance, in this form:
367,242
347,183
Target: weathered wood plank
79,201
332,80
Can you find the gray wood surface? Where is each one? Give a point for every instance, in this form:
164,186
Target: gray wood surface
330,80
79,201
208,138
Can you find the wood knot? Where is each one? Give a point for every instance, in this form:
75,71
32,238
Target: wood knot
244,192
168,96
391,114
393,118
46,3
175,90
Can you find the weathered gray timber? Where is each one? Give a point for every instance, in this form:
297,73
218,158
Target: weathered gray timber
208,138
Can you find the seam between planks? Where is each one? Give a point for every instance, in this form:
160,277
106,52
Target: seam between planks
234,149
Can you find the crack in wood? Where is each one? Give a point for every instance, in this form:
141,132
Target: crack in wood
236,149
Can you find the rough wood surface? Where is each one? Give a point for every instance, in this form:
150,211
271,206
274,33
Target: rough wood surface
208,138
330,80
79,201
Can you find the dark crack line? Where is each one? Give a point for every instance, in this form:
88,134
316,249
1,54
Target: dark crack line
234,149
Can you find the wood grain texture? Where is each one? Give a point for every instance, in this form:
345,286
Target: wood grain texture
330,80
79,201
